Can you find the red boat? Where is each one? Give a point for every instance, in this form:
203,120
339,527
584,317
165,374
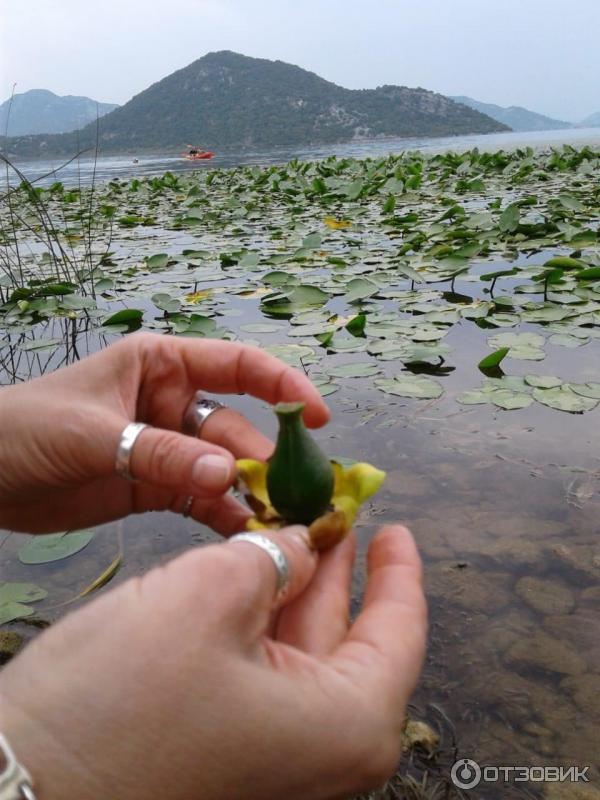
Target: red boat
194,154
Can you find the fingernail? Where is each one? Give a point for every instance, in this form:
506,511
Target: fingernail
300,534
211,472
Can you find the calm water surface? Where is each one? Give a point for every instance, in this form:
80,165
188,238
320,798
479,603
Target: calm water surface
84,170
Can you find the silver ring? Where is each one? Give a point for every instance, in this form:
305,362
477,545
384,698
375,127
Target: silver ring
197,412
187,505
124,448
276,555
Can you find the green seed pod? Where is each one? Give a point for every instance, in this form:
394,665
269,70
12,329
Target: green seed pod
299,475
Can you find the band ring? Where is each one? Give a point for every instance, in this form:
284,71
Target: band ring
124,448
198,411
276,555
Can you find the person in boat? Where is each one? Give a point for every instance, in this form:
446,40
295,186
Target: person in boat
215,675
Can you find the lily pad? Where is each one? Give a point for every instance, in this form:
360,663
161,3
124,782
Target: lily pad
15,599
415,386
591,390
43,549
355,370
543,381
563,399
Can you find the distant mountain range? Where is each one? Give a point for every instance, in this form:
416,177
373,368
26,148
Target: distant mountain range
516,117
41,111
227,99
593,121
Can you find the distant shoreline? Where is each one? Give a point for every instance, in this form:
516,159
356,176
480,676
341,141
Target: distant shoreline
512,138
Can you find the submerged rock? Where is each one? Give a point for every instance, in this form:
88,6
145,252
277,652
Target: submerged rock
469,588
571,791
548,596
585,690
10,644
544,652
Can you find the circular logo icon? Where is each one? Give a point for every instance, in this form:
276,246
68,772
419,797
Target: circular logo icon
465,773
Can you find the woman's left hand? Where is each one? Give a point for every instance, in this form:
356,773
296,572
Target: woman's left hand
59,433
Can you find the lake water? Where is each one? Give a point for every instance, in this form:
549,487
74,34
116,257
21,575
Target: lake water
504,505
84,170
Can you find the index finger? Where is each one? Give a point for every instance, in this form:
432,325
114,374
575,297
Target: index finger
235,368
386,643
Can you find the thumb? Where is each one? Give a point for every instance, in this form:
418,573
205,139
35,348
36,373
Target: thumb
181,463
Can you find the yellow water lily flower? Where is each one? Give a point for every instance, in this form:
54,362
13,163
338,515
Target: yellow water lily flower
196,297
337,224
352,486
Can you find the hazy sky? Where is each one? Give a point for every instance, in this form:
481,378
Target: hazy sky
542,54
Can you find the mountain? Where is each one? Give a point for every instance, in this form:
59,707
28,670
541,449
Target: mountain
592,121
41,111
227,99
516,117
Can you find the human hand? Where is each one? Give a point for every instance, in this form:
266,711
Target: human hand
60,433
183,685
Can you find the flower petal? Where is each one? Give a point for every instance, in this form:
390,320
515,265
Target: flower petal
353,486
254,475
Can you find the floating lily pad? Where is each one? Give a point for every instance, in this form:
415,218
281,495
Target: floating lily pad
591,390
543,381
504,398
563,399
42,549
15,599
355,370
411,386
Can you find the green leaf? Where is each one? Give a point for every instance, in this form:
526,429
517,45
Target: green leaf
570,202
157,262
389,205
12,611
359,289
563,399
510,401
277,278
591,274
127,316
356,326
543,381
312,241
509,219
591,390
355,370
491,361
21,593
563,262
41,344
566,340
474,397
305,295
42,549
415,386
166,303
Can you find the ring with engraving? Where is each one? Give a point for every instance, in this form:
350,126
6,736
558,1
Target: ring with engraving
276,555
198,411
